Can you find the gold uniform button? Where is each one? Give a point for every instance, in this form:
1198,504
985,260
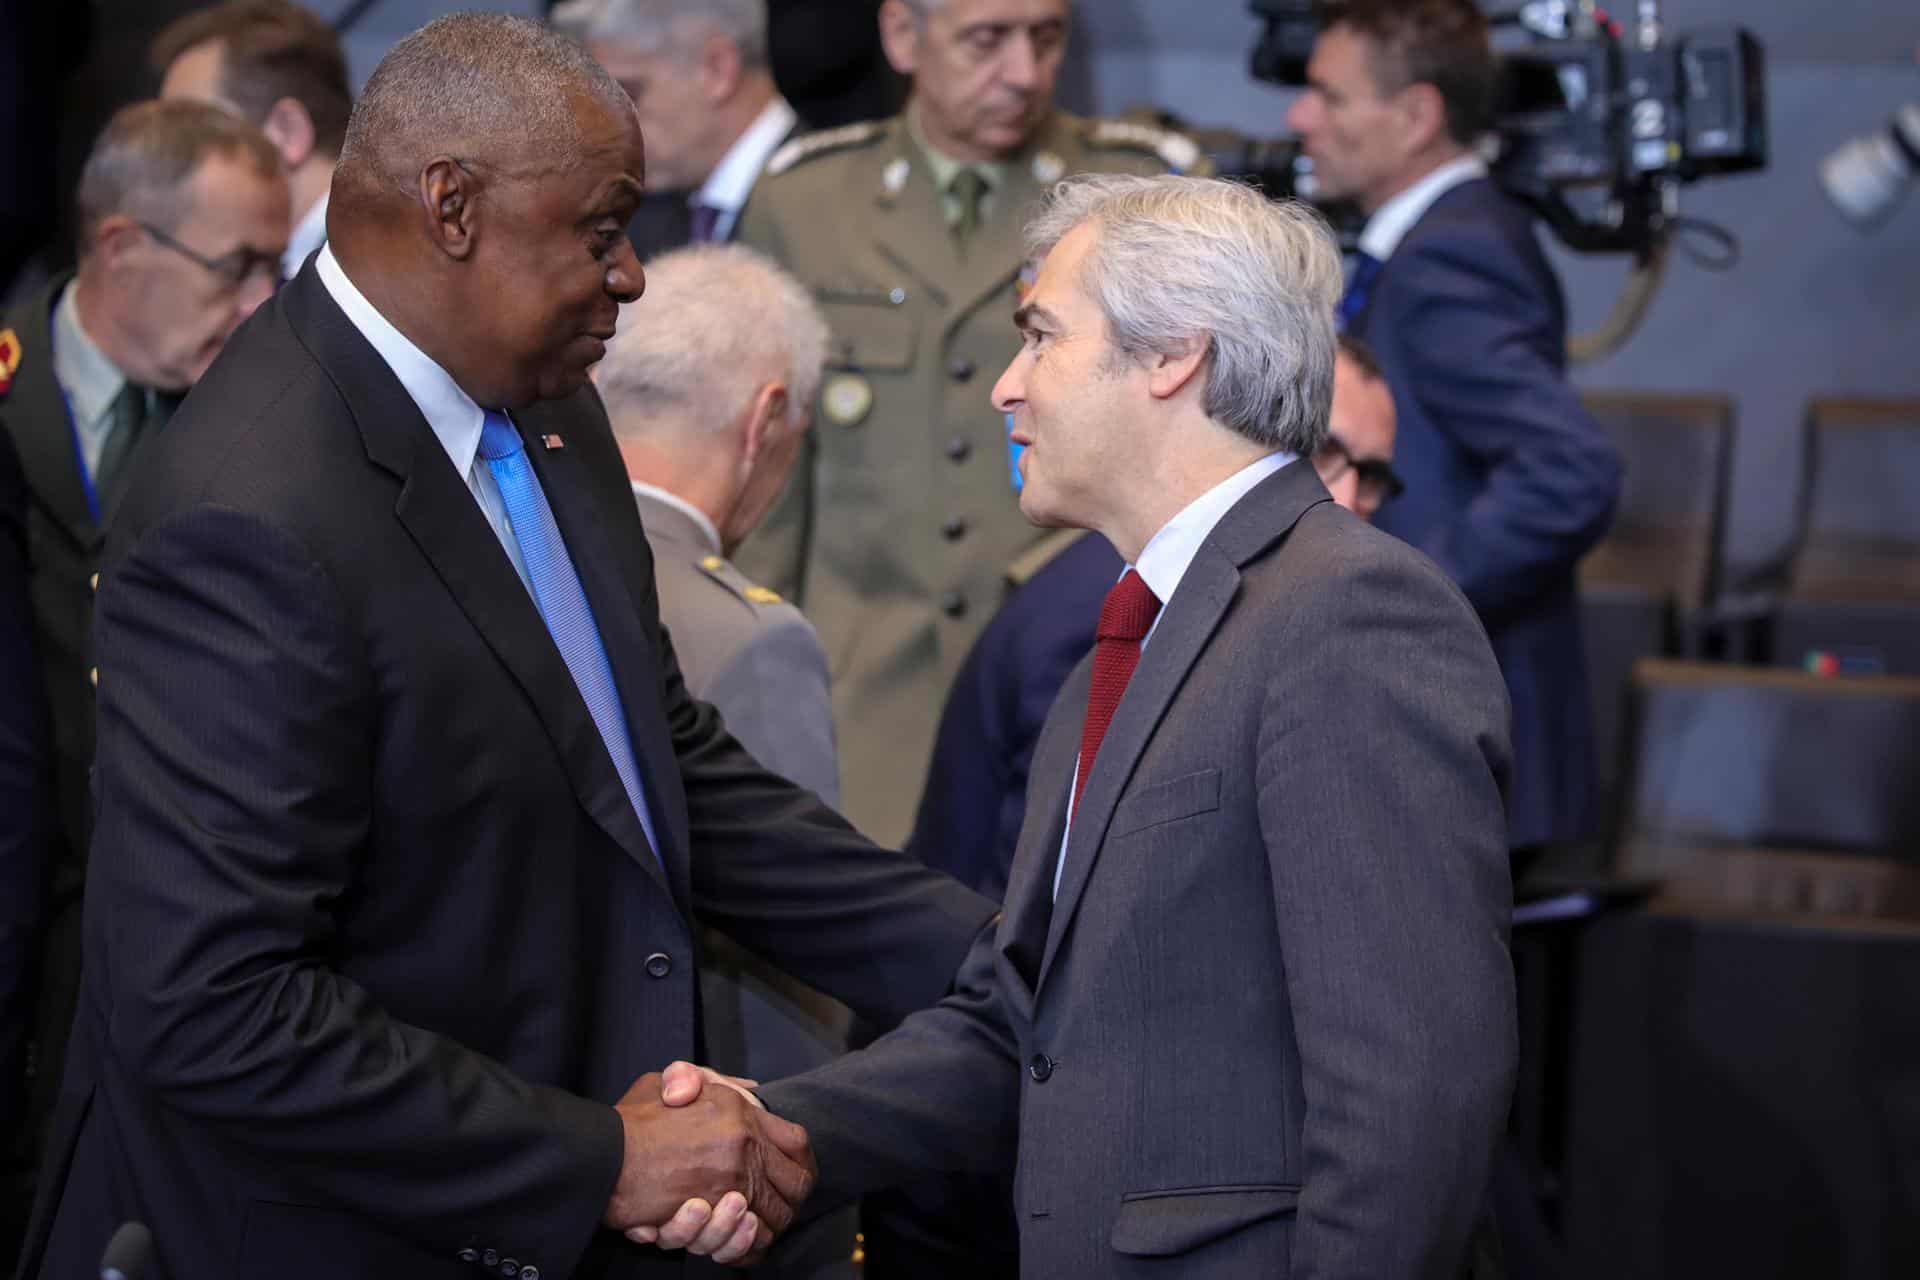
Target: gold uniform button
94,582
94,675
712,564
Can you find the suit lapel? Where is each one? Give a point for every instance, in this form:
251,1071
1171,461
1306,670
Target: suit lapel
36,413
636,669
1190,618
1211,582
1029,899
439,513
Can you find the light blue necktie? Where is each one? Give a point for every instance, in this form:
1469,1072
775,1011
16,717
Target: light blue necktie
562,600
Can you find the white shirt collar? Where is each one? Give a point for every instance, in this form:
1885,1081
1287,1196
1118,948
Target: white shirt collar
641,489
1163,561
308,234
451,412
728,186
1391,221
82,369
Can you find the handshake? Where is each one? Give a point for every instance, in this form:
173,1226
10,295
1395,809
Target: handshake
706,1169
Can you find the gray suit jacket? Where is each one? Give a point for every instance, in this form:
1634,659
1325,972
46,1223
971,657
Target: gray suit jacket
1268,1026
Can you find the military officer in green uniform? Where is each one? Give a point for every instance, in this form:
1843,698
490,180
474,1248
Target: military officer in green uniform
897,530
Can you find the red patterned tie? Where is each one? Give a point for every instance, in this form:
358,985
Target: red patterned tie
1125,619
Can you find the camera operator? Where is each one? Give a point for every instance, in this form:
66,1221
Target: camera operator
1509,479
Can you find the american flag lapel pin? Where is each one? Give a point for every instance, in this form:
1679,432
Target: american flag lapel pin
553,442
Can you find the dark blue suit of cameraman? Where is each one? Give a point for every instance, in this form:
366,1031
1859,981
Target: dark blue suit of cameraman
1509,479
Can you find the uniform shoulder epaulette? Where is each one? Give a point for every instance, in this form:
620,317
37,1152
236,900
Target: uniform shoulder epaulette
1022,569
1176,150
809,145
723,572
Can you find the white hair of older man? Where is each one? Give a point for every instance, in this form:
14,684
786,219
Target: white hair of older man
716,323
654,25
477,85
1179,260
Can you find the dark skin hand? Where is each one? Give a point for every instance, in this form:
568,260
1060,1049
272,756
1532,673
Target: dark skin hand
718,1150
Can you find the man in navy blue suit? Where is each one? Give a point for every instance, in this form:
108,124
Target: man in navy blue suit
1509,479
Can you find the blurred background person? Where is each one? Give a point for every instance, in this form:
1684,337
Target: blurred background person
26,834
698,73
184,219
709,384
898,526
1510,479
281,67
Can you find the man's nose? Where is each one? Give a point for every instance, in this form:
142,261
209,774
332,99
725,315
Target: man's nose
1020,62
626,278
254,290
1300,116
1011,389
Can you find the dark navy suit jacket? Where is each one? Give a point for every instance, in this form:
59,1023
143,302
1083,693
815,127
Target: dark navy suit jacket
26,818
976,794
1509,479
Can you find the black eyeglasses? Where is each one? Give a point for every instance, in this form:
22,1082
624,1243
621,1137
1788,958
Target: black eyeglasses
233,269
1377,479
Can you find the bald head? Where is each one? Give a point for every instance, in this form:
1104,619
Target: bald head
485,88
481,203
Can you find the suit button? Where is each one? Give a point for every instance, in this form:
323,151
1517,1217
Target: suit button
94,675
509,1268
94,582
953,604
958,450
962,370
1040,1067
529,1272
954,529
659,965
489,1257
469,1255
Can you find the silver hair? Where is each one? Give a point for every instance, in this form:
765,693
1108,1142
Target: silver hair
1180,260
662,24
144,161
717,322
472,85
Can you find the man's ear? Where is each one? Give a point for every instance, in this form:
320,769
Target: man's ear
290,129
114,238
1168,372
447,197
900,36
720,69
765,419
1426,114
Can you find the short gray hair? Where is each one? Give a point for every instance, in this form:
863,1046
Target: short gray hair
715,324
1180,260
467,81
144,159
659,24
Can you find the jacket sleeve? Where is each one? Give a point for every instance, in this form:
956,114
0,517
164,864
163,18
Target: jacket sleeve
774,695
233,786
1385,838
1487,351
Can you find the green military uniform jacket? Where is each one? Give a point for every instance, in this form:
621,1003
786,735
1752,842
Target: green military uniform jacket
897,530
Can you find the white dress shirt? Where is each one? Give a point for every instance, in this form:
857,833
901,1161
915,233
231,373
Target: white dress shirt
1163,563
308,234
453,414
90,381
1391,221
727,187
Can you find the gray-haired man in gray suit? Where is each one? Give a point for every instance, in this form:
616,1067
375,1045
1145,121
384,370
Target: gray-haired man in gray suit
1250,1012
708,383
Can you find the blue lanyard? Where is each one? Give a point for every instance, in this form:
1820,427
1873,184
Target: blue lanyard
73,432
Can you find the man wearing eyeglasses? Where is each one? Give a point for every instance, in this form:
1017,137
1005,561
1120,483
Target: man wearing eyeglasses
184,215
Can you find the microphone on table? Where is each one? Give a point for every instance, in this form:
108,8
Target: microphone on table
128,1253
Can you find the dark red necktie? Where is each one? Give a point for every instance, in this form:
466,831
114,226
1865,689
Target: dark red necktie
1125,619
